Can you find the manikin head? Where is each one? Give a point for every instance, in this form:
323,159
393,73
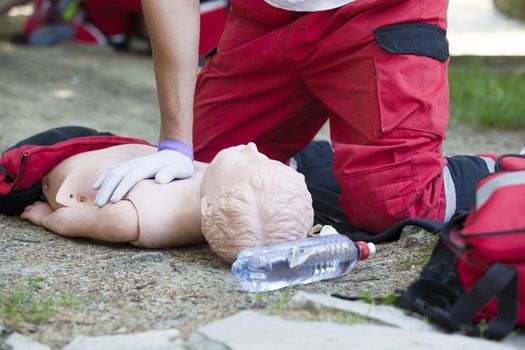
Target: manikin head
248,200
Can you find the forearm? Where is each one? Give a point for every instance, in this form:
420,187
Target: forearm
174,31
173,26
113,223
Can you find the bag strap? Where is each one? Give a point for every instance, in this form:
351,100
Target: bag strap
443,306
498,166
499,281
428,297
449,232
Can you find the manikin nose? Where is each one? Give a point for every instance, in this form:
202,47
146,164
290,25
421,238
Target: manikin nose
250,148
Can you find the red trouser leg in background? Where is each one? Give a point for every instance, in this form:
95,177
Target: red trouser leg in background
41,12
113,17
276,73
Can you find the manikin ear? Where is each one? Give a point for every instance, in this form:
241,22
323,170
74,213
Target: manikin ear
75,191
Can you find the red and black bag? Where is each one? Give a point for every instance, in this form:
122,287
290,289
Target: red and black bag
24,165
477,270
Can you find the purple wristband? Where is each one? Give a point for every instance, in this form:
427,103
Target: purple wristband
174,145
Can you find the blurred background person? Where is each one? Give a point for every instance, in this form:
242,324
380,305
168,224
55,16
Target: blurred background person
103,22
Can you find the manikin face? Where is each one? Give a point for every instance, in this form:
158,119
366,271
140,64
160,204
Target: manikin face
232,165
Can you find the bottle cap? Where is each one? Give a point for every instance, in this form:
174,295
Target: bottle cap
368,250
372,248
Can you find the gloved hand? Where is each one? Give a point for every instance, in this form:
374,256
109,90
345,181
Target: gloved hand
167,164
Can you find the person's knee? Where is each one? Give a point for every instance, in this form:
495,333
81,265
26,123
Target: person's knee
374,205
379,198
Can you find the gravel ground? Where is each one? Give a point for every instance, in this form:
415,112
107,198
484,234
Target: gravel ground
94,288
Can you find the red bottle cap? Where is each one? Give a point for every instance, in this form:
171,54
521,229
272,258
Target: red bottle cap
367,249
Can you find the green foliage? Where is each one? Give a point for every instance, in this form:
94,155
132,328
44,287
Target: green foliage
286,296
25,302
337,316
259,298
22,303
487,96
276,303
390,299
369,298
413,259
275,300
482,329
69,300
417,257
34,283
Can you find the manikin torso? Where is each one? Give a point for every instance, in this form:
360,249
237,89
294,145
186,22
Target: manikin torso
162,210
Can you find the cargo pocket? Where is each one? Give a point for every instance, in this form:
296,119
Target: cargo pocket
411,79
378,198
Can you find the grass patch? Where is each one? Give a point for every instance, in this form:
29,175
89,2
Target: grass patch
69,300
417,256
331,315
487,96
273,301
413,260
389,300
25,302
22,303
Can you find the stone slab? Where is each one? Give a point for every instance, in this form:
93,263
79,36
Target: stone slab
386,315
151,340
17,341
256,331
516,341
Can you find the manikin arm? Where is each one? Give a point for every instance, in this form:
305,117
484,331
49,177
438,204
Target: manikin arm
113,223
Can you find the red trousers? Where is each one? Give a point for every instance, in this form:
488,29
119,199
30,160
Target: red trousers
278,76
119,17
113,17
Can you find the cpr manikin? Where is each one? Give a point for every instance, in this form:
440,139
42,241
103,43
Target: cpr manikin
156,216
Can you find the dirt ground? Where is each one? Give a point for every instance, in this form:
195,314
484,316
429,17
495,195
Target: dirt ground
98,288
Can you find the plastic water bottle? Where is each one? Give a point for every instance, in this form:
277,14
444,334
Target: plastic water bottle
303,261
